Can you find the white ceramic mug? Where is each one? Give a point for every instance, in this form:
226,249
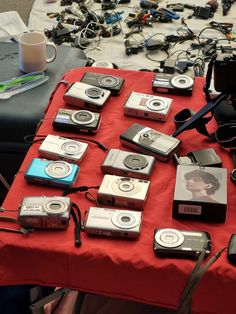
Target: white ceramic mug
33,52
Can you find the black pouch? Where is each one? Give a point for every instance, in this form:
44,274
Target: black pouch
225,112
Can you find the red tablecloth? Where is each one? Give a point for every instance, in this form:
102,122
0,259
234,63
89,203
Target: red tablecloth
121,268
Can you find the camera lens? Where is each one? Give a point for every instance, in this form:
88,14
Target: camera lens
182,81
126,186
58,169
135,162
145,135
169,238
83,117
108,81
71,147
125,220
156,104
94,92
55,207
233,176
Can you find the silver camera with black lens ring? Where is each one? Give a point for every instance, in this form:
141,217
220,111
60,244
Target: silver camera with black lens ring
86,96
122,163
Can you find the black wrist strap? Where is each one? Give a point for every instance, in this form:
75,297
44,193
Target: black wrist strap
195,277
76,215
233,172
82,188
208,78
233,152
200,125
14,220
196,118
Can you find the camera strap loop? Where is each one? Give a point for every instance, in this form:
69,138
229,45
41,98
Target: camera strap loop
208,78
194,121
82,188
225,135
14,220
78,223
195,277
200,125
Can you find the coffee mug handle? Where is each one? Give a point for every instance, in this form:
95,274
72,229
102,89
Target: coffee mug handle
51,59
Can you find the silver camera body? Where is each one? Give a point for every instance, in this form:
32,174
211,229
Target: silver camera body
149,141
148,106
60,148
44,212
123,191
113,222
122,163
84,95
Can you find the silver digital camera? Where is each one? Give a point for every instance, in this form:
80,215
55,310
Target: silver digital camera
123,163
82,121
44,212
148,106
123,191
182,243
150,142
113,222
60,148
83,95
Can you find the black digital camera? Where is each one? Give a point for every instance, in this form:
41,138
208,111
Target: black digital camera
181,243
180,84
77,121
224,73
113,83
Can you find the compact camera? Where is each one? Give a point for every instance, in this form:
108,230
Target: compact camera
77,121
60,148
123,191
150,141
55,173
44,212
112,83
173,84
148,106
224,73
113,222
182,243
128,164
86,96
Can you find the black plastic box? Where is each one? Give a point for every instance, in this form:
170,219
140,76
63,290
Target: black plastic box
200,193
